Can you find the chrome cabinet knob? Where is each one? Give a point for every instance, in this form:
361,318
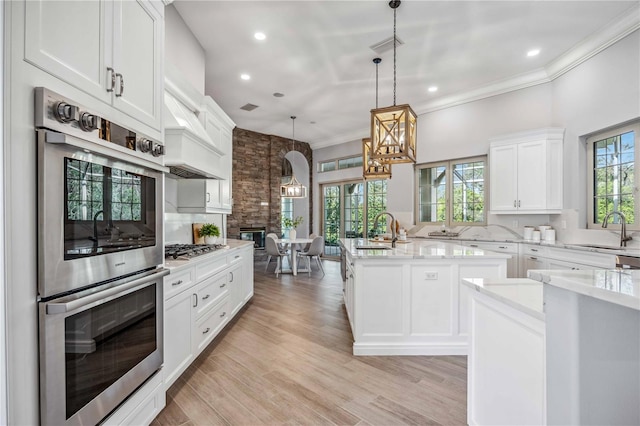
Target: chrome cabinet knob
65,112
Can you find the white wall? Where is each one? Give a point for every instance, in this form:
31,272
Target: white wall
182,49
3,341
601,92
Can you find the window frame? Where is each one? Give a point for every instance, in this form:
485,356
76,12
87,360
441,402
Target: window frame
448,164
590,141
336,163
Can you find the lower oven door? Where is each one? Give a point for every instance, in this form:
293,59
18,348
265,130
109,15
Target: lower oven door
97,347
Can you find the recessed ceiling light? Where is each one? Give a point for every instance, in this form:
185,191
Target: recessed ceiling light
312,122
533,52
260,36
278,95
245,76
433,89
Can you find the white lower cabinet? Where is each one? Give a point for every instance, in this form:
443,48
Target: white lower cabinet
197,309
536,256
501,247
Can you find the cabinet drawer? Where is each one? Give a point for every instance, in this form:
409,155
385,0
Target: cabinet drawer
210,292
235,256
209,267
211,324
498,247
534,250
175,283
596,260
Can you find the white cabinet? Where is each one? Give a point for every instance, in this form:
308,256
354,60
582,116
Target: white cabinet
199,301
112,50
509,248
526,172
536,256
199,196
219,127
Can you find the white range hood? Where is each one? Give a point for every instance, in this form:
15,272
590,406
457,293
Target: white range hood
190,152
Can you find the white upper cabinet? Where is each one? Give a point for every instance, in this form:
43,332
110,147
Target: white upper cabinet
112,50
526,172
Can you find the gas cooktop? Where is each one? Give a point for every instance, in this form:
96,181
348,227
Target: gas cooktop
187,251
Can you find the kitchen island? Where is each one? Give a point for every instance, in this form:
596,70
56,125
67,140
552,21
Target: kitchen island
409,300
592,345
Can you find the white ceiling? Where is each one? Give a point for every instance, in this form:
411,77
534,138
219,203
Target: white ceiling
317,53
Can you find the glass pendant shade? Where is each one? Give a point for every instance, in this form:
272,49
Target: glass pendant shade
373,169
393,134
293,189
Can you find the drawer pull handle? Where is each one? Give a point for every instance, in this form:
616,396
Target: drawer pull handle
536,250
231,280
206,330
473,245
223,314
206,297
223,285
195,296
237,256
177,283
533,258
503,247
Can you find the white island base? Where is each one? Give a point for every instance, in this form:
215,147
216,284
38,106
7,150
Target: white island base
409,300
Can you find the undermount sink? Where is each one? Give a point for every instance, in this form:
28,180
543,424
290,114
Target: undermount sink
370,247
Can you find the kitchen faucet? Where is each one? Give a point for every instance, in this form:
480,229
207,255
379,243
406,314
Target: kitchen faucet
394,238
623,230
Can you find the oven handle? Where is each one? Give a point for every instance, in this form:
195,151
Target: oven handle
60,308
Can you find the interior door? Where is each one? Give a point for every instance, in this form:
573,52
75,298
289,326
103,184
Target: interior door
353,207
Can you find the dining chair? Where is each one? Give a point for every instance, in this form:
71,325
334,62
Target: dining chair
272,250
315,251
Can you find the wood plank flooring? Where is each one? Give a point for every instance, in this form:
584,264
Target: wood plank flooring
286,359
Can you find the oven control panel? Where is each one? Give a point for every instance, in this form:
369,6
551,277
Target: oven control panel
55,112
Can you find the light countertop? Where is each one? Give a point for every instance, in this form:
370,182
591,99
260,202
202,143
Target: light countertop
230,244
619,286
523,294
418,249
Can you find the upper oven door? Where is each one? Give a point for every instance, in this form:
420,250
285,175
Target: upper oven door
99,217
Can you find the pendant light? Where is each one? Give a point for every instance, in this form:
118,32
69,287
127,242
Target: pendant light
393,128
293,189
372,168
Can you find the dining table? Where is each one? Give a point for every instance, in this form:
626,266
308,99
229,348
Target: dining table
290,245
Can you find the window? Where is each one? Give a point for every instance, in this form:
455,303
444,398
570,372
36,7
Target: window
339,164
613,184
286,208
349,209
452,192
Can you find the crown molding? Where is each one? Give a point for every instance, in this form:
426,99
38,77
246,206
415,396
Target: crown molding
616,30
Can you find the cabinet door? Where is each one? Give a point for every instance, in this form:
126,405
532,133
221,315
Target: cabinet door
504,177
236,287
532,176
533,262
178,353
137,57
247,274
212,194
72,41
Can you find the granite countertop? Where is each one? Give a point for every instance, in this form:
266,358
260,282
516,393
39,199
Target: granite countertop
523,294
417,249
230,244
619,286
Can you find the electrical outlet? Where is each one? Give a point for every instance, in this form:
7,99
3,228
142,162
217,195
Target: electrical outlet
564,224
430,275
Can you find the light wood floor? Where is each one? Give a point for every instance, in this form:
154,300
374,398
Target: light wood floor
286,359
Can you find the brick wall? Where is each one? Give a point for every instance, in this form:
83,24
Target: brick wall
257,173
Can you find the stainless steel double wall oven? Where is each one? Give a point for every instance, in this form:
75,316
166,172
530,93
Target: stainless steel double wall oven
100,257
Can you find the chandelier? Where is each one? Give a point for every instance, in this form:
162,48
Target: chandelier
373,169
293,189
393,128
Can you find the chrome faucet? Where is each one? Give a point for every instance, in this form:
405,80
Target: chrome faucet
623,230
394,237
